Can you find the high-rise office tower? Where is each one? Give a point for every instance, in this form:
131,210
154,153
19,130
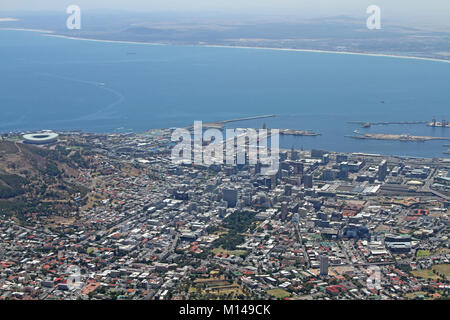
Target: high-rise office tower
308,181
230,196
323,265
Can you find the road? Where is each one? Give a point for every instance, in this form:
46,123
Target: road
427,186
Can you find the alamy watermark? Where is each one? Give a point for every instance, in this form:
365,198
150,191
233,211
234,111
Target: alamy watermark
74,20
238,147
374,20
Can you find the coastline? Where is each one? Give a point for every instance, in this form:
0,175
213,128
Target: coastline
29,30
50,33
255,48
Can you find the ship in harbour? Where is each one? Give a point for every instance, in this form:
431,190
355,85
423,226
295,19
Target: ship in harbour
441,124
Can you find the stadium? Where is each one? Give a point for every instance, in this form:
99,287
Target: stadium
46,137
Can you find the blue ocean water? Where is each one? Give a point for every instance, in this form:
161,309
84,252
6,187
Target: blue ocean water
65,84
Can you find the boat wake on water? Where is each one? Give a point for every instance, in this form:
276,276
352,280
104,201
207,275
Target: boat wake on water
106,112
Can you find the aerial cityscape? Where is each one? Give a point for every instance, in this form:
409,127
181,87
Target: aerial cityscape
140,227
182,164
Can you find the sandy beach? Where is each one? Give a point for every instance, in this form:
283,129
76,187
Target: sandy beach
256,48
8,19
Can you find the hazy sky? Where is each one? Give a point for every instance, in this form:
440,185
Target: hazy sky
424,11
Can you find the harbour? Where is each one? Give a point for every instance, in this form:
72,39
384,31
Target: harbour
292,132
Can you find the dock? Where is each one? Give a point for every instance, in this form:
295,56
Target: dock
439,124
368,124
220,124
292,132
396,137
247,118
